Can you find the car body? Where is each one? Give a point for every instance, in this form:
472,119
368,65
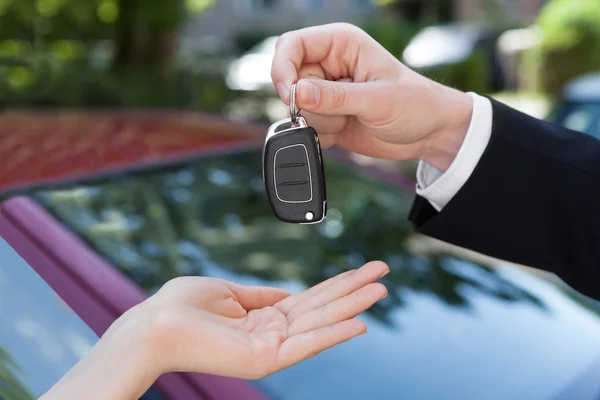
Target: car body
578,107
186,198
436,47
251,71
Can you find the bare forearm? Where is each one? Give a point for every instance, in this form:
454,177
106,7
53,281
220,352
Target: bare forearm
212,326
116,369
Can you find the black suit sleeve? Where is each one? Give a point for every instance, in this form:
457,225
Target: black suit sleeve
533,199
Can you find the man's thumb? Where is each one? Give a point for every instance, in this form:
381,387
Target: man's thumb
324,97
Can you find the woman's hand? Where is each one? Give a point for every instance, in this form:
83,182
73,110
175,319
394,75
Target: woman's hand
218,327
360,97
214,326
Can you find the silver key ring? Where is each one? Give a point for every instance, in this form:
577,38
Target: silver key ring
294,109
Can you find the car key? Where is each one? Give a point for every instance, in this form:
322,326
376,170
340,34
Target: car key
293,171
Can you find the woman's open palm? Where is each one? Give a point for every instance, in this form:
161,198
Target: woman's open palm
218,327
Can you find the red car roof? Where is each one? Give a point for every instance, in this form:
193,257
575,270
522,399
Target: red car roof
40,148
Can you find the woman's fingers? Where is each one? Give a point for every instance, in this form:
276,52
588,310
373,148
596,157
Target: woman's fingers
340,310
348,284
332,289
309,344
255,297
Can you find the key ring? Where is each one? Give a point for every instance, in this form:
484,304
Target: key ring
294,109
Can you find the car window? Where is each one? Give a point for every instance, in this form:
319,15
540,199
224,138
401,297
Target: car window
211,217
582,117
41,338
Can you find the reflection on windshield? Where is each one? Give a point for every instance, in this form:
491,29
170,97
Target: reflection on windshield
10,386
40,337
211,217
582,117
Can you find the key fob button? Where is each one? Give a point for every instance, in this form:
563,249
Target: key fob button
292,174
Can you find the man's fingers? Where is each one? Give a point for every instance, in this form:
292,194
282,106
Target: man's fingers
328,127
255,297
335,97
309,344
340,310
314,71
332,289
330,45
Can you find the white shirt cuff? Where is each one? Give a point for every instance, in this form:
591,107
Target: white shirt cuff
439,188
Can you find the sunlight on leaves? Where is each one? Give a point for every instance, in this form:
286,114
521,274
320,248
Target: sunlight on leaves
48,8
66,50
383,2
4,5
108,11
565,26
13,48
20,77
198,6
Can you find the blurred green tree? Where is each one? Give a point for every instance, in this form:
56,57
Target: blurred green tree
146,33
570,46
100,53
143,33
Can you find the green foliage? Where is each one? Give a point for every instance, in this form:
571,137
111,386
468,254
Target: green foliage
394,34
570,46
100,53
40,21
76,85
473,74
158,14
198,6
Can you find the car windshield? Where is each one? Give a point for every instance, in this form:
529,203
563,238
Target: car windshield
211,217
41,338
583,117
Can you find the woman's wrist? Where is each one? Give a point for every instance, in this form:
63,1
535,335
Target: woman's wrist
119,366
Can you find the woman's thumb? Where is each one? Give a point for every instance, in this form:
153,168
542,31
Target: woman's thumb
324,97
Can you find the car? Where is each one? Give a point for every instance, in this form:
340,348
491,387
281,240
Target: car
435,48
578,106
251,72
102,208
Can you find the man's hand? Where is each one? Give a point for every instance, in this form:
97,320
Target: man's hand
360,97
213,326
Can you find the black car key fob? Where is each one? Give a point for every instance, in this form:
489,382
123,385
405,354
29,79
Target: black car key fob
293,171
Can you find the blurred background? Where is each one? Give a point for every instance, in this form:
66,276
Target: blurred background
215,55
210,216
